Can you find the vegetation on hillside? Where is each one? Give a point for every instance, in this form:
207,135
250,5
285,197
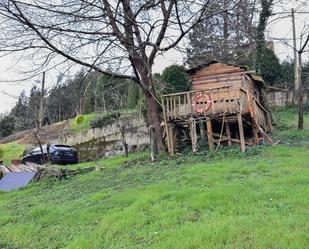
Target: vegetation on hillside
85,124
226,199
239,203
13,150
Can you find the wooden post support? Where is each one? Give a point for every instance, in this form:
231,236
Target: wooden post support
255,134
171,140
202,129
210,134
166,126
192,124
228,133
241,132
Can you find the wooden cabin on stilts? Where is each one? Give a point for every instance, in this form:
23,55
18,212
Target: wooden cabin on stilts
224,107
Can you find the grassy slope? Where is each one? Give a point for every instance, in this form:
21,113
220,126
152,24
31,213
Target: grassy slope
286,119
86,123
92,116
13,150
254,201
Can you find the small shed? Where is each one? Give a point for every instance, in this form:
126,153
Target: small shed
226,103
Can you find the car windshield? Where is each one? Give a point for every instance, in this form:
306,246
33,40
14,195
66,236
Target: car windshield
38,149
62,146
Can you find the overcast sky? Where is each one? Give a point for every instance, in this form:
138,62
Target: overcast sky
278,29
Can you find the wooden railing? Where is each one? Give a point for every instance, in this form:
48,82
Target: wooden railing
228,100
224,100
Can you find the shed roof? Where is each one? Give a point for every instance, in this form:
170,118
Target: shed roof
256,78
209,62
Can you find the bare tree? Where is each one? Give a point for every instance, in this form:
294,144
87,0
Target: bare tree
124,34
303,38
300,90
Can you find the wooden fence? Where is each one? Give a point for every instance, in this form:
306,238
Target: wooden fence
282,97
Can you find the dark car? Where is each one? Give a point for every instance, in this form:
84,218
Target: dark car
57,154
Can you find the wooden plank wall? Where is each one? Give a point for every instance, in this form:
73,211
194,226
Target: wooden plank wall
217,75
230,89
225,99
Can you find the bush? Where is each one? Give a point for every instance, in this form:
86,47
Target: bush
79,119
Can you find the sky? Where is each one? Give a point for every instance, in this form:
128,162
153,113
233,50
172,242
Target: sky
279,30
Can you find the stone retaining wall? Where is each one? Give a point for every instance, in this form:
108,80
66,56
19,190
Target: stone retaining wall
100,142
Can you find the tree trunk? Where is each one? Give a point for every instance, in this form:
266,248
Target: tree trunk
300,95
146,83
301,110
36,136
225,32
154,120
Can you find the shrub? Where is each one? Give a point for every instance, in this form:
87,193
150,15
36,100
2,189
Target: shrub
79,119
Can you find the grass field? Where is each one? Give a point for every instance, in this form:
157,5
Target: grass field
259,199
13,150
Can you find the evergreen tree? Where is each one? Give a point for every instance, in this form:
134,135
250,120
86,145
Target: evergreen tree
133,95
287,74
270,68
33,105
227,37
174,79
261,50
20,109
7,125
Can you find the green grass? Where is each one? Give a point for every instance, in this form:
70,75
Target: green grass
286,127
227,199
212,203
13,150
86,123
92,116
110,162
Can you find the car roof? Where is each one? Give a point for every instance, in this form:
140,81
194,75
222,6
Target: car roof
62,145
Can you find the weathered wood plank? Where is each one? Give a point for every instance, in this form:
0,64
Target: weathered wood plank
241,132
228,133
193,135
210,135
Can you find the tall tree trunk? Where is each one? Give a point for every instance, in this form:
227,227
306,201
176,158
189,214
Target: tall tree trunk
300,109
300,94
225,32
154,120
146,83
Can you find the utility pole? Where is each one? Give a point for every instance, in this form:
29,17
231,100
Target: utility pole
41,110
296,81
297,74
300,87
300,94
